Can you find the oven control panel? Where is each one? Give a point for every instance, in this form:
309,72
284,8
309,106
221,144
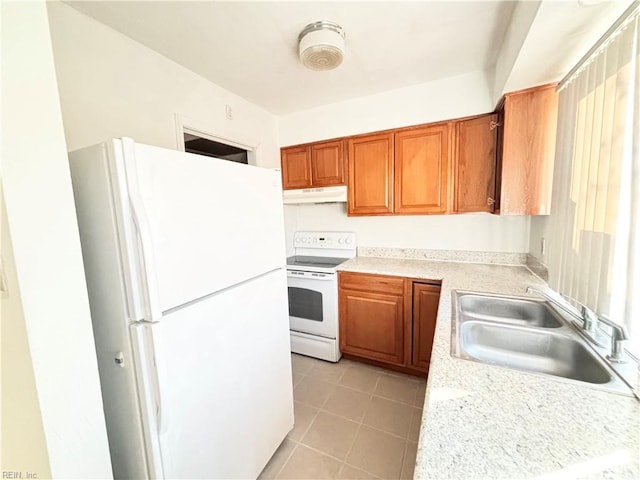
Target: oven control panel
329,240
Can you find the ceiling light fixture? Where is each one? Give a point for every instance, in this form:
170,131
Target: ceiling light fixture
321,45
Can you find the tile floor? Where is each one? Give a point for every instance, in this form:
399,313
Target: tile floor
352,421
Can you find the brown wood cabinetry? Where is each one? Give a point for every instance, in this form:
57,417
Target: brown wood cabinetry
400,172
500,162
425,310
528,149
327,164
314,165
370,190
388,320
372,308
296,167
421,164
475,164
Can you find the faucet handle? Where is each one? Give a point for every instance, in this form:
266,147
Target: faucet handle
619,334
619,331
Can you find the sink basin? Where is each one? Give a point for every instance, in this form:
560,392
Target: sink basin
532,350
514,311
526,334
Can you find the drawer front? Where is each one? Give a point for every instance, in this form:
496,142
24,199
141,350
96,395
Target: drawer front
371,283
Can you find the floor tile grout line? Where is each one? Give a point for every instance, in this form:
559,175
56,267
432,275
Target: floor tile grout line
371,394
365,471
404,456
309,426
333,457
360,423
284,464
358,432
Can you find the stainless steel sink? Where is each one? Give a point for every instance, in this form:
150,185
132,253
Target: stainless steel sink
528,335
514,311
532,350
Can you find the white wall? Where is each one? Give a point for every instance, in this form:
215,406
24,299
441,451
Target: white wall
24,447
522,18
477,232
539,230
46,248
439,100
112,86
451,97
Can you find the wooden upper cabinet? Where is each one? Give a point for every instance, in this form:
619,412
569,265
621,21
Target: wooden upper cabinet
475,164
421,169
370,187
315,165
528,150
296,167
327,163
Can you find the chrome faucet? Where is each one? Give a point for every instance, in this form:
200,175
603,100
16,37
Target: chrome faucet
559,302
588,322
618,335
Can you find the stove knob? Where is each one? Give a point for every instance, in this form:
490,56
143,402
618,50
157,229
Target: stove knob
341,241
348,241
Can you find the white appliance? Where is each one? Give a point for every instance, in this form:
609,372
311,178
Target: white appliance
316,195
312,281
185,264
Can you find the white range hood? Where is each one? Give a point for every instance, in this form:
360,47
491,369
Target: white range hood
316,195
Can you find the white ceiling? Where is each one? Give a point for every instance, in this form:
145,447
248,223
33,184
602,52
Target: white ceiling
250,48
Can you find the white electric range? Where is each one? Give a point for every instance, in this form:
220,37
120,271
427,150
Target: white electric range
312,280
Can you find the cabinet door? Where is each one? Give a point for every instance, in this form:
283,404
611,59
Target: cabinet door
372,326
421,166
475,164
296,167
530,119
327,164
425,310
371,175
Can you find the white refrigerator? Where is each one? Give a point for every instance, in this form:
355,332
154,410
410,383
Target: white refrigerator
185,264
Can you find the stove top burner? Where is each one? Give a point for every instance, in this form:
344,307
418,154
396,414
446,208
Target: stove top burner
302,261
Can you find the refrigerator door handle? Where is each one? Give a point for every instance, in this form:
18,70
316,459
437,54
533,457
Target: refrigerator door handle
149,396
160,383
151,300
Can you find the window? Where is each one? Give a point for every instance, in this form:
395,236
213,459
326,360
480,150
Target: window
594,244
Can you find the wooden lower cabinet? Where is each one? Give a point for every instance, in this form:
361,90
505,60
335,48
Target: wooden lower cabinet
375,326
388,320
425,311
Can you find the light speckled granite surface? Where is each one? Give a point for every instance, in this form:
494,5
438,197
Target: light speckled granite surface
487,422
467,256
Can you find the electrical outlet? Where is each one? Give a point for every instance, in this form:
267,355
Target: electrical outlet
228,112
543,246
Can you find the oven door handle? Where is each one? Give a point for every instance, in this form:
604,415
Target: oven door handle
311,275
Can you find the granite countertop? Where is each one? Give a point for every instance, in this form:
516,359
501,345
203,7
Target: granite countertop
487,422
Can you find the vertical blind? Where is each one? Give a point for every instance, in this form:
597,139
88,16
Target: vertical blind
594,239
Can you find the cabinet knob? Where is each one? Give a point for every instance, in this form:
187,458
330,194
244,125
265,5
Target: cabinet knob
493,125
490,201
